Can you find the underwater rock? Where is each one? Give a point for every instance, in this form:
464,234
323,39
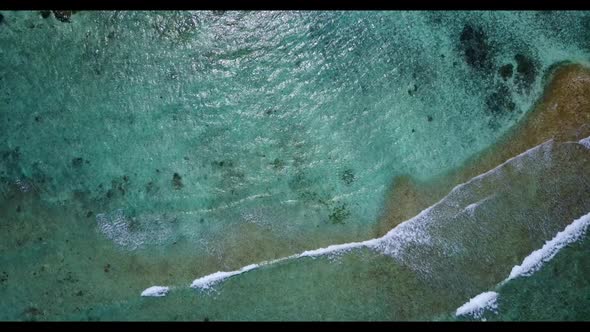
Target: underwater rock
45,13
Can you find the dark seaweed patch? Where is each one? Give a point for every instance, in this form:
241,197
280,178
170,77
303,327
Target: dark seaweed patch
177,181
506,71
475,47
223,163
500,101
149,187
32,311
339,214
347,177
77,162
63,15
117,184
526,72
278,164
11,155
413,90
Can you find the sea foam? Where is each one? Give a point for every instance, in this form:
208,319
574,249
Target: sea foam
211,279
155,291
537,258
478,305
531,264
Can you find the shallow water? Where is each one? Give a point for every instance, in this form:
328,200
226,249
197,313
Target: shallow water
152,148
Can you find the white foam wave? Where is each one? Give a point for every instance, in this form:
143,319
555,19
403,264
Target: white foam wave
531,264
338,248
211,279
156,291
537,258
478,305
585,142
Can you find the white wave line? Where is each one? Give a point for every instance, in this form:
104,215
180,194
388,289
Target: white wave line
530,264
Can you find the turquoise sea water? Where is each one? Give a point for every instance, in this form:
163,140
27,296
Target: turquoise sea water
153,148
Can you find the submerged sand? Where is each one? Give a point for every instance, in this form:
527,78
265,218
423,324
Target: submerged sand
562,113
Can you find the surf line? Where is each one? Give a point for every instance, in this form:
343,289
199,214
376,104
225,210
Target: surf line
530,264
210,280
